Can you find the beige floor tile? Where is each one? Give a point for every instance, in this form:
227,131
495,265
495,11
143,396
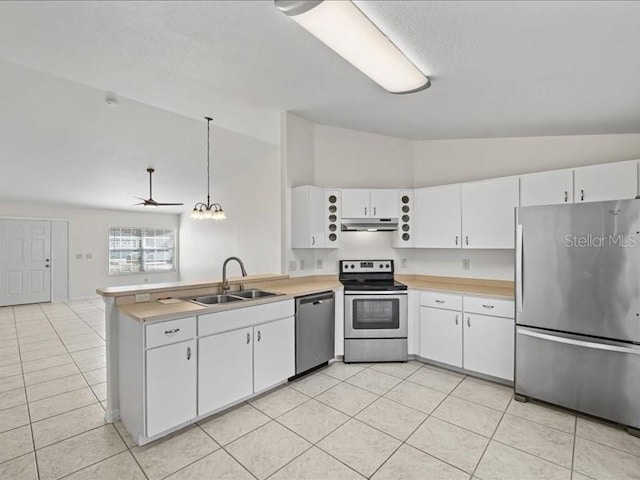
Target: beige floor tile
11,383
416,396
536,439
76,453
62,403
13,417
374,381
39,342
10,359
392,418
342,371
10,370
313,420
436,379
474,417
43,353
93,377
314,464
21,468
219,466
314,384
47,374
100,391
126,436
12,398
411,464
76,347
267,449
15,443
46,363
60,427
454,445
119,467
168,455
485,393
54,387
501,462
578,476
88,364
96,352
359,446
10,349
347,398
608,434
279,401
397,369
604,463
543,414
233,424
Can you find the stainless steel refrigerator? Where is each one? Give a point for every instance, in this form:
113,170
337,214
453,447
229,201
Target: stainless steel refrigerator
578,307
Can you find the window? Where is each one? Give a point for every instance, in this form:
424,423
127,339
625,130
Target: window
133,250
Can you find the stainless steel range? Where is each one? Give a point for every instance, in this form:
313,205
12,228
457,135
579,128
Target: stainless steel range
375,312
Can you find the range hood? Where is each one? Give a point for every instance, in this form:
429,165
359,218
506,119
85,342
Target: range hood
369,224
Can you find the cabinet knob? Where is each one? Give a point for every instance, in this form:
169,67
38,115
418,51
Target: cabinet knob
456,319
313,240
566,196
466,239
582,195
469,322
374,210
365,211
188,353
456,239
259,335
248,338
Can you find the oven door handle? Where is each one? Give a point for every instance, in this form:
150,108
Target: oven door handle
367,293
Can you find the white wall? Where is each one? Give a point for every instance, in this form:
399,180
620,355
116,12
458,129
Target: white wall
249,190
89,233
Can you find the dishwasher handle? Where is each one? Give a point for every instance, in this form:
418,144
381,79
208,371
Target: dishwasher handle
315,299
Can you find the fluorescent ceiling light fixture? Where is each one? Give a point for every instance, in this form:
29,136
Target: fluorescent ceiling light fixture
341,26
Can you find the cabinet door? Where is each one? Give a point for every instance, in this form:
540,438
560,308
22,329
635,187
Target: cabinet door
548,188
307,217
273,353
441,335
489,345
611,181
355,203
488,213
171,386
384,203
225,369
438,217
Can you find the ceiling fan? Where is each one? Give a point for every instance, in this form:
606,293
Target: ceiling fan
150,202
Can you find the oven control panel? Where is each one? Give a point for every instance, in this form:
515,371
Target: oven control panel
366,266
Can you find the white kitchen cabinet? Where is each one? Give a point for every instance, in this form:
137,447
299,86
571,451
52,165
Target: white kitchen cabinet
356,203
488,213
611,181
547,188
273,353
437,218
171,386
225,369
307,217
489,345
441,335
384,204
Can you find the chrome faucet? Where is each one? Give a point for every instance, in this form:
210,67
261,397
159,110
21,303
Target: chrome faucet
225,282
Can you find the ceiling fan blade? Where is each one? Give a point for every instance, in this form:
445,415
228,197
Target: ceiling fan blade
168,204
136,204
140,198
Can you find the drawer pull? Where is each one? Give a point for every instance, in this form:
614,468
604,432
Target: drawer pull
188,353
456,319
440,301
487,306
469,322
170,332
259,335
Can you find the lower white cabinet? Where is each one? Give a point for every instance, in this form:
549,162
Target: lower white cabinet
171,386
489,345
441,335
273,353
225,372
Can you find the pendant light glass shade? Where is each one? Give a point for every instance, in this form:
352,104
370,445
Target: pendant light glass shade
202,211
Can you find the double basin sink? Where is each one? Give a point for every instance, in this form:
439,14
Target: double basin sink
244,295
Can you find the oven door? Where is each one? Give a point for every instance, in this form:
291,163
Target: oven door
375,315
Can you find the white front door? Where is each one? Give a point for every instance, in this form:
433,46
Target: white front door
25,262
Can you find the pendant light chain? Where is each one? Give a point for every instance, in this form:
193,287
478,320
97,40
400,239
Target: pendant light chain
208,210
208,160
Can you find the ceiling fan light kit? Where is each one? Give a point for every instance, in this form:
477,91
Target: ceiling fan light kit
206,211
342,27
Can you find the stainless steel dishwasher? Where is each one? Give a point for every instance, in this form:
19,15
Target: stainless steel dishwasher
315,330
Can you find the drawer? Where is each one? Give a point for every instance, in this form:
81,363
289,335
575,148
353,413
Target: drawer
211,323
449,301
172,331
496,307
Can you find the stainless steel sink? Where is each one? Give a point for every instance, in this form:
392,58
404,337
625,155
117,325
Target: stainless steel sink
252,294
215,299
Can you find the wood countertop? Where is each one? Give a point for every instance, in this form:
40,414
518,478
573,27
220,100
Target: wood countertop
464,286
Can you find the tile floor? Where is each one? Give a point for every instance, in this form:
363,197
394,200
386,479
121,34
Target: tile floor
380,421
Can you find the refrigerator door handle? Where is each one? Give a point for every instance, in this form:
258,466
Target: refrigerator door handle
580,343
519,260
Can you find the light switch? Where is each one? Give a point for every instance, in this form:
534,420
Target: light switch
79,256
88,256
403,263
466,264
319,263
302,264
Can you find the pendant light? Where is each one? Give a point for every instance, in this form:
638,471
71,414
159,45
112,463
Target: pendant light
208,210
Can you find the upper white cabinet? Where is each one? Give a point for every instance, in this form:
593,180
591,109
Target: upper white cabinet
437,219
547,188
488,213
611,181
365,203
315,217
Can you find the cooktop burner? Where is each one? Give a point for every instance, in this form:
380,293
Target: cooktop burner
364,275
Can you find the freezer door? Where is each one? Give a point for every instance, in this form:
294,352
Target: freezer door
578,268
595,377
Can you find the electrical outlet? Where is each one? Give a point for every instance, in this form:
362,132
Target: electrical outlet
146,280
292,265
79,256
403,263
88,256
319,263
466,264
142,297
302,264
